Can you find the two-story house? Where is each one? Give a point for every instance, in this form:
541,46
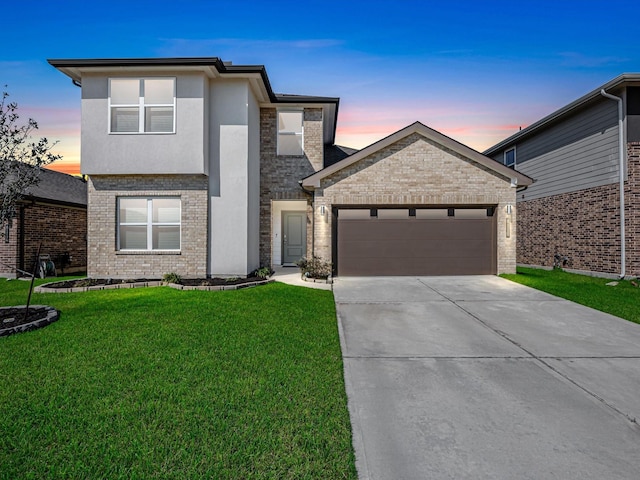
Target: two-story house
197,167
585,158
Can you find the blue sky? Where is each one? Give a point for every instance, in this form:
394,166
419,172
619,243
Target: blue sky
474,70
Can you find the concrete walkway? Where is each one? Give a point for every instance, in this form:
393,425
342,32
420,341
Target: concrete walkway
482,378
291,276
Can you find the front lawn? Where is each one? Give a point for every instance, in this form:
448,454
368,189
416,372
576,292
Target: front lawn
160,383
620,300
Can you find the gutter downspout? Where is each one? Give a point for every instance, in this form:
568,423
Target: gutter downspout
622,157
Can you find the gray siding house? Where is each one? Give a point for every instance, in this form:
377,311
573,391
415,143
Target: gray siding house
580,156
197,167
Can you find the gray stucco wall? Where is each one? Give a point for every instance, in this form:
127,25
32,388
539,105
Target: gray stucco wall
175,153
253,200
233,208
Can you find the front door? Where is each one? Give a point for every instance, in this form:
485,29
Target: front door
294,237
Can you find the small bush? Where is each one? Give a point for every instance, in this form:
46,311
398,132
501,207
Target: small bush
315,267
172,278
262,272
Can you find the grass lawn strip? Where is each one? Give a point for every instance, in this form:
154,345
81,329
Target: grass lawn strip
159,383
620,300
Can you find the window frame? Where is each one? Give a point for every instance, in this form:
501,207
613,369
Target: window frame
141,106
504,158
280,133
149,224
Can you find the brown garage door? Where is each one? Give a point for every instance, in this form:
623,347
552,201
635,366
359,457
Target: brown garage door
413,246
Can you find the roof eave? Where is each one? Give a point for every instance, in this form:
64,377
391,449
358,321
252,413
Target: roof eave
73,69
613,84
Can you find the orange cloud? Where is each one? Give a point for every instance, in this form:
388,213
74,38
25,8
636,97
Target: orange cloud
70,168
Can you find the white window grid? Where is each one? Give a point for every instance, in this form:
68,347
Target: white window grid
285,132
149,224
141,106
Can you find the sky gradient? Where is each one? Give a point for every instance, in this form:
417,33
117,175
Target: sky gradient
473,70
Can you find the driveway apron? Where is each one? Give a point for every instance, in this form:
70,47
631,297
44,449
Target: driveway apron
481,378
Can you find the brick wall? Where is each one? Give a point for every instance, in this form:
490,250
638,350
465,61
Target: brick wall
106,261
415,171
279,175
9,251
632,210
60,229
584,226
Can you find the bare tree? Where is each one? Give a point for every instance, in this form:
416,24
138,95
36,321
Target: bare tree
21,158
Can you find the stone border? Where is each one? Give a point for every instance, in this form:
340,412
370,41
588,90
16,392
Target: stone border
156,283
52,316
114,286
177,286
328,280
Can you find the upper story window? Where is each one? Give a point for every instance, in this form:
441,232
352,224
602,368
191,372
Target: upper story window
151,223
290,138
510,157
142,105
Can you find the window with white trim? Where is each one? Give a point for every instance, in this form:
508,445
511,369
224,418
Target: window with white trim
290,132
142,105
149,223
510,157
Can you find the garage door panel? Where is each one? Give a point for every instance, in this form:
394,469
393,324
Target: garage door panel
413,266
416,246
410,249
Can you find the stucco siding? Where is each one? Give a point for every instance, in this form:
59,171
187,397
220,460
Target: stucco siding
181,152
253,200
233,191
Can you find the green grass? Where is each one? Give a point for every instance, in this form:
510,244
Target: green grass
621,300
161,383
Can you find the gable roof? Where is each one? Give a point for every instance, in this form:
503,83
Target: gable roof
59,188
335,153
429,133
617,83
213,67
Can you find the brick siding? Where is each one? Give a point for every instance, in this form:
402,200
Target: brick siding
279,175
584,226
414,172
105,261
632,210
60,229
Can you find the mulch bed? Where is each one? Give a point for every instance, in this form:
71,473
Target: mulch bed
12,319
93,282
86,284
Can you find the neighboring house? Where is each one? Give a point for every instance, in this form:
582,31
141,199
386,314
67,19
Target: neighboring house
574,155
197,167
54,214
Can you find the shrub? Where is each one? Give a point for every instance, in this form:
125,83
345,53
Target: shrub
262,272
315,267
172,278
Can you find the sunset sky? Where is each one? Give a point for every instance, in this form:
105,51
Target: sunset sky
474,70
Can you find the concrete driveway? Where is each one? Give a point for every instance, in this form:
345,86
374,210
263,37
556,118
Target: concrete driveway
481,378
